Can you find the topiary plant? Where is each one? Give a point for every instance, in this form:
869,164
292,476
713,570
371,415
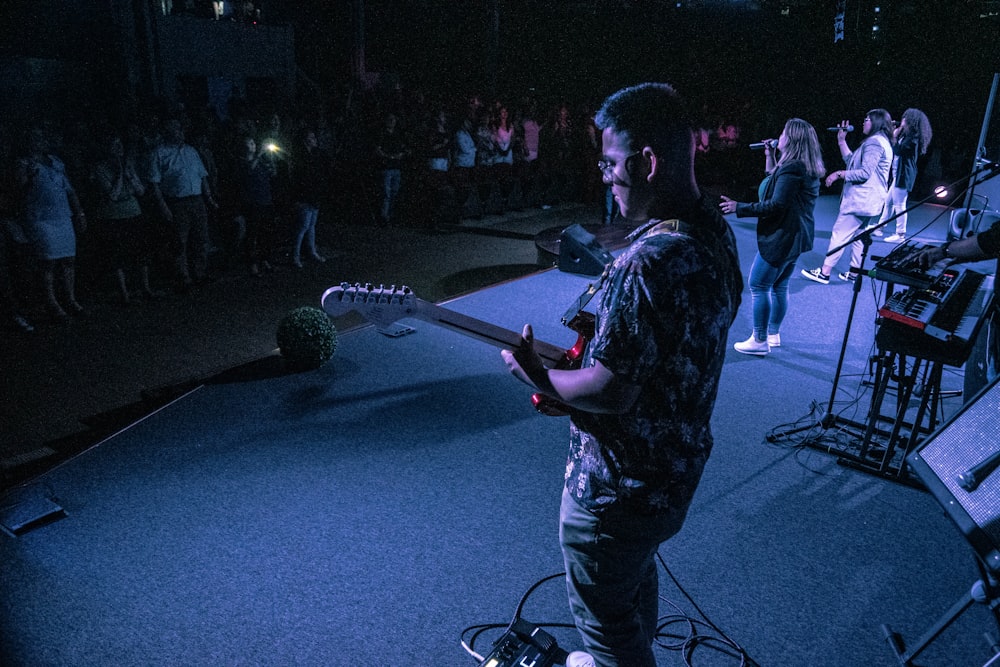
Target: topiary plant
306,337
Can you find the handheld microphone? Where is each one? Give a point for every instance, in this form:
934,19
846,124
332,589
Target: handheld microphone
761,145
973,477
849,128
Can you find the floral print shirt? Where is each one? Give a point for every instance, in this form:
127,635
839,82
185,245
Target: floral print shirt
661,323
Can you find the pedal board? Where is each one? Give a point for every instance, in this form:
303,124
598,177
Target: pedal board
525,645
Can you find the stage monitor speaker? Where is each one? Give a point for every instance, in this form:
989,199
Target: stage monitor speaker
968,221
579,252
957,464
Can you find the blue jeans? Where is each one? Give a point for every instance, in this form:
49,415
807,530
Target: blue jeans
612,581
305,230
769,295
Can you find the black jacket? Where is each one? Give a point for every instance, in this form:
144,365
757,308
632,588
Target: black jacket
785,226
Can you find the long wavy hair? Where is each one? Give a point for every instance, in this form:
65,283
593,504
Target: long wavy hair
917,125
881,123
803,145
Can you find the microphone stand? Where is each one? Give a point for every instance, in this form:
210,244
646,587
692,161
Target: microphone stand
829,419
865,236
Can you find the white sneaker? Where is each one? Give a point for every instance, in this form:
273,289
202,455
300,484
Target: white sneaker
753,346
878,232
774,340
895,238
580,659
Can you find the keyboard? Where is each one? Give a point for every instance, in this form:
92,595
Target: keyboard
900,267
968,300
941,322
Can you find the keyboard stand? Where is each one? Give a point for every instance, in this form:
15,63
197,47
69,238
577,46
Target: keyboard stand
879,447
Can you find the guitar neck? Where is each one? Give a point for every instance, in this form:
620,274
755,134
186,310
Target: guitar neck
484,331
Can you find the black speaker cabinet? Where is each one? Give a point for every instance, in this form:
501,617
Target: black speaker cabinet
579,252
958,463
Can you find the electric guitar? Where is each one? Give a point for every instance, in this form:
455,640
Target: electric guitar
383,306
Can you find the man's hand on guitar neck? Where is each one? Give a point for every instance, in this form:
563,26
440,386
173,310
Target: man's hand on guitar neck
525,364
592,389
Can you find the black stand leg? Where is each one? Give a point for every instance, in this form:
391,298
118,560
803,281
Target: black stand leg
984,591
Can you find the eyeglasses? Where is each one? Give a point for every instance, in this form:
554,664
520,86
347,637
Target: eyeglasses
608,166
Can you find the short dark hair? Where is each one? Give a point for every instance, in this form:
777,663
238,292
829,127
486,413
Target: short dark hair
651,114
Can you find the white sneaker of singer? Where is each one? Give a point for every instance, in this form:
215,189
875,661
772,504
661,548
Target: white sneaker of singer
753,346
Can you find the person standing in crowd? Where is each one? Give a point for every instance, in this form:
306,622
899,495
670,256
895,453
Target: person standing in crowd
557,142
275,143
912,138
866,181
641,403
51,217
179,182
436,194
487,153
12,242
310,174
785,227
502,135
390,151
437,159
463,162
526,155
252,175
119,222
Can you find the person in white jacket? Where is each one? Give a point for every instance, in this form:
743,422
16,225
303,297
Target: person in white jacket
866,182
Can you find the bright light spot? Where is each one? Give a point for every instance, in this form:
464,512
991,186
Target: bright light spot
941,192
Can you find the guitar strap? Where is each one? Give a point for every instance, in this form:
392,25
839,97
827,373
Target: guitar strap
581,301
661,227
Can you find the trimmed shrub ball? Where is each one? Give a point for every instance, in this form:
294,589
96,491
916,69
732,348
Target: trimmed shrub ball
306,338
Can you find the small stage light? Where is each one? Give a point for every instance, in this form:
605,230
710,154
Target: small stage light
941,192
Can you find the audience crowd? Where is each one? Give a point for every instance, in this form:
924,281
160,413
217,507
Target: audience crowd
169,197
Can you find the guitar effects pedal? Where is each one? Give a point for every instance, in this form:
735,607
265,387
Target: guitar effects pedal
525,645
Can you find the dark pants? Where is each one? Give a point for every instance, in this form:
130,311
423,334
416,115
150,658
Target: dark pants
189,237
612,580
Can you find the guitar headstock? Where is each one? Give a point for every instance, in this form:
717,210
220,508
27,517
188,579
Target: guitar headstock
379,305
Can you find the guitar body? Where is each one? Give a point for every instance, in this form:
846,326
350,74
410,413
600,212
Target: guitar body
583,325
385,305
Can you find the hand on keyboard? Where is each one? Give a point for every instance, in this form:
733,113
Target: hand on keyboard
926,257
